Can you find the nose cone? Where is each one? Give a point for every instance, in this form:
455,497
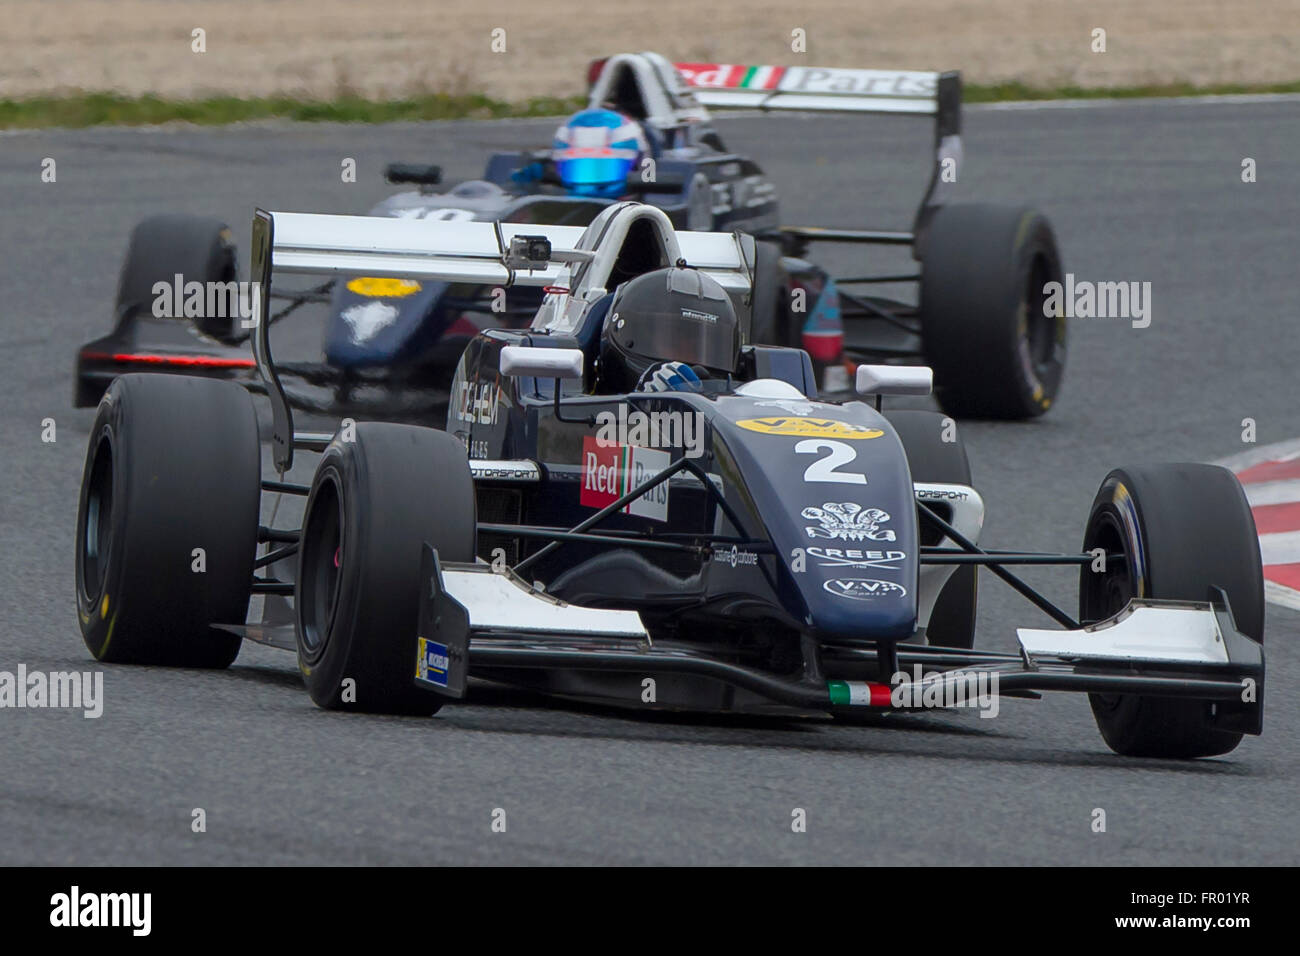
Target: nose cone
832,486
375,321
859,577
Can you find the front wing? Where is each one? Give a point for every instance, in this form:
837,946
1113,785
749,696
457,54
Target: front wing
472,617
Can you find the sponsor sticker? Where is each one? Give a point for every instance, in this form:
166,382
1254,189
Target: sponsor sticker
809,428
376,287
731,76
939,494
478,402
806,79
611,471
431,662
863,589
848,521
505,471
857,558
734,557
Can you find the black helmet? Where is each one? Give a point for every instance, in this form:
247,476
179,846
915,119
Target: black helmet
668,315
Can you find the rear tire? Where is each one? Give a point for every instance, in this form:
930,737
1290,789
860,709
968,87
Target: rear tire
994,353
198,248
173,465
931,459
767,317
374,502
1191,528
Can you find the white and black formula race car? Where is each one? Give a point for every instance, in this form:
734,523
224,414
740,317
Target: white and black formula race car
789,553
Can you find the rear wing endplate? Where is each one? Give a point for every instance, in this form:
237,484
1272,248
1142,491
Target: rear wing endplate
896,92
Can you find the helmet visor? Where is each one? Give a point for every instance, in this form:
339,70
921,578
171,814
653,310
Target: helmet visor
700,335
607,170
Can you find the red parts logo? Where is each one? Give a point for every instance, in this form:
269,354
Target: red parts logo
611,471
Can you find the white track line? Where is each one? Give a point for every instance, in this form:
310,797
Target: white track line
1277,594
1272,492
1278,451
1244,99
1280,547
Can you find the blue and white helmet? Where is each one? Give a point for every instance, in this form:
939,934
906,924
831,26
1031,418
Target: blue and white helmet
595,151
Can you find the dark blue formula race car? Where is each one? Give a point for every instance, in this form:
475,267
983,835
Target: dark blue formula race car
390,344
634,504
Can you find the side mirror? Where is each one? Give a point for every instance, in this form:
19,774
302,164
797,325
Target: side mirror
894,380
523,360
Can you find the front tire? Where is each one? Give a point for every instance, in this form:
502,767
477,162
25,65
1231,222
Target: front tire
1182,529
167,521
983,277
374,502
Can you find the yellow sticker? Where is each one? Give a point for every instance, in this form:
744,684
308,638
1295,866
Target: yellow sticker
383,288
809,428
103,607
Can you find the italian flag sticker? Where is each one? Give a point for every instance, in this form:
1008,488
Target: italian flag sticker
760,77
857,693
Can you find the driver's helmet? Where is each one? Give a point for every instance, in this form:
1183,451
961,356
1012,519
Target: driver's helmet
676,314
595,150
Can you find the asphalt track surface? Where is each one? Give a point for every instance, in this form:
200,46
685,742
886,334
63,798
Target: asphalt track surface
1141,191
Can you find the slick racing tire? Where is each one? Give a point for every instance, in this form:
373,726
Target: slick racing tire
167,521
374,502
931,459
1180,529
993,351
197,248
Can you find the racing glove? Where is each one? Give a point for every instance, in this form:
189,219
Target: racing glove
526,175
670,377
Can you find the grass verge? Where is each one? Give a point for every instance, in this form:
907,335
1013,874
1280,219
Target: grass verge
1011,92
76,110
112,109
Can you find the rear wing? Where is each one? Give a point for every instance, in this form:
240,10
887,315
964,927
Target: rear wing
292,242
811,88
477,252
888,92
482,253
